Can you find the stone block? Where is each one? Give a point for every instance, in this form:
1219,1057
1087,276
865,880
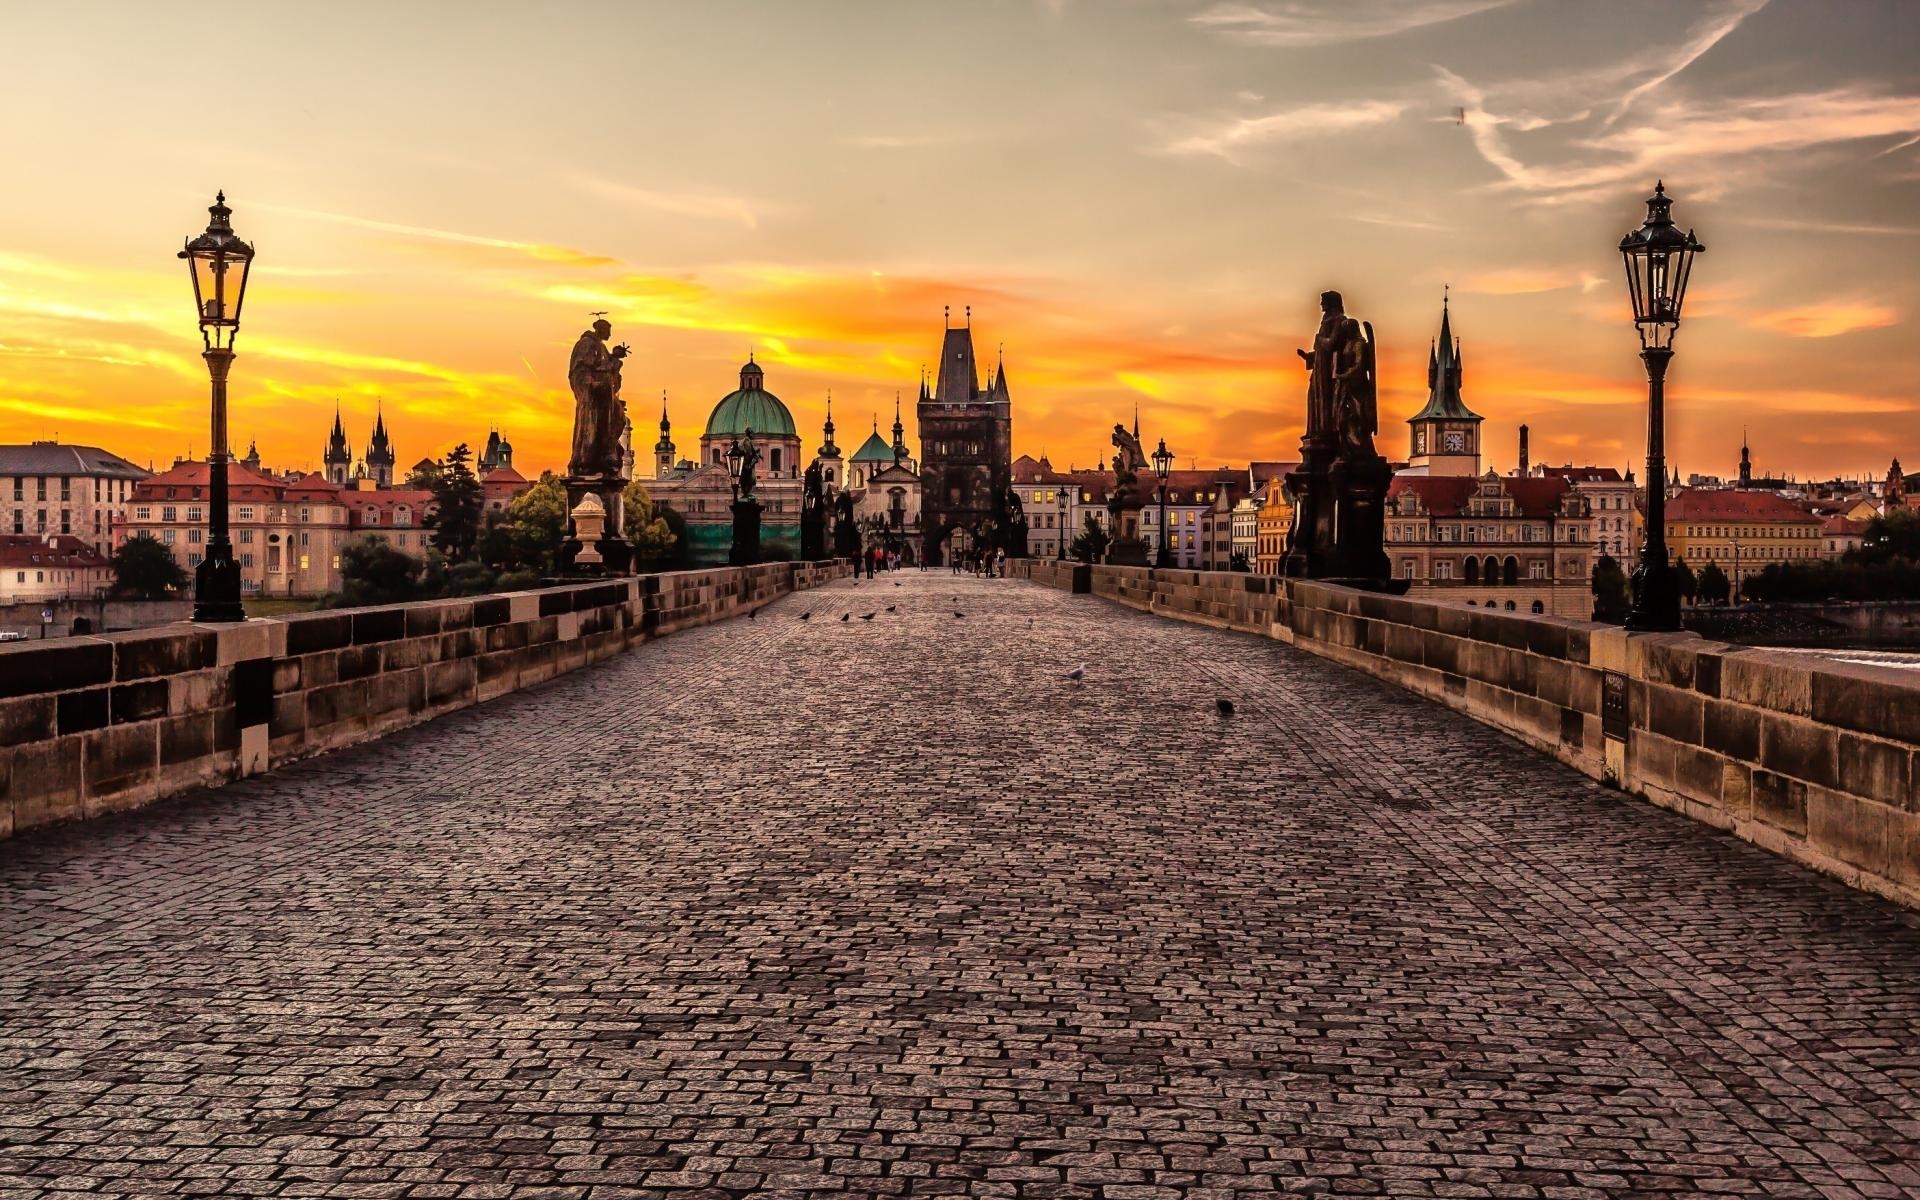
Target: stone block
1731,729
1607,648
83,710
289,717
1671,713
355,662
26,719
449,683
335,711
1736,790
198,691
1875,770
1772,682
1873,700
492,610
1663,658
1780,802
1853,830
310,633
120,765
142,701
46,780
65,665
185,740
523,606
1798,747
371,625
150,653
1697,774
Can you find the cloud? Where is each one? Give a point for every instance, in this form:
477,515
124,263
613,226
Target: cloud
705,206
1865,228
1288,125
542,252
1830,319
1518,281
1308,23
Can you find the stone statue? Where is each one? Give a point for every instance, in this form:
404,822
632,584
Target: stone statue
1339,374
593,372
813,515
1132,459
750,455
626,445
846,534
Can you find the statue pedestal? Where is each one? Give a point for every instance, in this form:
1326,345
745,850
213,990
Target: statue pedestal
746,533
1339,518
613,551
1128,548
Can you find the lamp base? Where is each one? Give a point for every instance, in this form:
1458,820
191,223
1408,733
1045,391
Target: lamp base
216,591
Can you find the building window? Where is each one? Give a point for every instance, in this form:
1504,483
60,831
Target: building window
166,536
246,537
169,513
246,513
193,560
193,537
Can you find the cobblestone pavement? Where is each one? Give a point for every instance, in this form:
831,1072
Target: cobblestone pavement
890,907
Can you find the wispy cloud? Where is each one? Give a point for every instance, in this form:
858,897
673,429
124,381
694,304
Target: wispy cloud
1288,125
1311,23
1829,319
704,206
545,253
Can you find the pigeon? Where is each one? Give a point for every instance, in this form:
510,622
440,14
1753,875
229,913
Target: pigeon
866,616
806,616
752,613
1078,673
1224,707
958,614
846,616
896,585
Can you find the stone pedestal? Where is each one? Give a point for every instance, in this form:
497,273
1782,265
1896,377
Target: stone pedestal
746,533
610,548
1128,548
1339,519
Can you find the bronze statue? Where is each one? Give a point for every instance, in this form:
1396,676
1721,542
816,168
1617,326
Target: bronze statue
749,455
1131,460
599,417
1341,400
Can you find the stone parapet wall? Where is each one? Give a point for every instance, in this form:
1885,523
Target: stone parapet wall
1813,759
90,725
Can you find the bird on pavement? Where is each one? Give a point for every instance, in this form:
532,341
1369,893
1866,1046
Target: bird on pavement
752,613
958,614
1078,673
1224,707
806,616
846,616
866,616
890,607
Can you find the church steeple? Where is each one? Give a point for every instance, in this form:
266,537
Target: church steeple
338,459
1445,433
1746,460
899,431
380,456
663,450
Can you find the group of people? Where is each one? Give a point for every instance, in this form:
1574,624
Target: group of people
981,562
876,560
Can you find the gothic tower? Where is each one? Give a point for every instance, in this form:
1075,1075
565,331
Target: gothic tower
338,460
829,454
966,445
663,450
1446,433
1746,462
379,456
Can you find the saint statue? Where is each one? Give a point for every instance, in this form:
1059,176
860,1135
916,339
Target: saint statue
1341,398
599,417
749,455
1132,459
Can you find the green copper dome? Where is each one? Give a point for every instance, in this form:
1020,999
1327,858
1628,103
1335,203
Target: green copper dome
752,407
874,449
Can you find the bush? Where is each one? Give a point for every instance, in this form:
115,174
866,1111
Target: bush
469,579
145,570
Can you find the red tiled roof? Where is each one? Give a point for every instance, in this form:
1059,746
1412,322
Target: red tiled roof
313,486
28,550
503,477
1838,525
1448,495
384,503
1573,474
1733,504
242,483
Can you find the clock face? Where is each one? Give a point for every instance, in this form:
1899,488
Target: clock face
1456,442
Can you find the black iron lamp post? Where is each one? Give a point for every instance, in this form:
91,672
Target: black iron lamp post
746,510
1659,261
219,263
1060,550
1163,467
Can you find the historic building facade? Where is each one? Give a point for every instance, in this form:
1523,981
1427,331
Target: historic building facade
884,482
1514,542
1445,434
966,445
1741,532
48,488
35,567
700,490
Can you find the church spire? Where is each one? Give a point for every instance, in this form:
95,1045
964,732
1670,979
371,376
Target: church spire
899,431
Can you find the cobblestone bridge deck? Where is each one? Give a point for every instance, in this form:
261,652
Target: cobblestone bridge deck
890,907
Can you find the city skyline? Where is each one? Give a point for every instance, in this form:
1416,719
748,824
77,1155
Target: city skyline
1141,201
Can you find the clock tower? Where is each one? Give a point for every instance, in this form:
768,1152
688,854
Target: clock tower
1446,433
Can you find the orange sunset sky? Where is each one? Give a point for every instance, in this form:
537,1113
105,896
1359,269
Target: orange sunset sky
1141,199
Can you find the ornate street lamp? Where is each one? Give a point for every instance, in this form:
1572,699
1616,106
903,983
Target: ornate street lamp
218,262
735,457
1060,550
1659,261
1163,467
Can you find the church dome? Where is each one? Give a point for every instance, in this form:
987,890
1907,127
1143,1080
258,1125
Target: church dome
751,407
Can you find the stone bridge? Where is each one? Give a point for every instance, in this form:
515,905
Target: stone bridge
786,906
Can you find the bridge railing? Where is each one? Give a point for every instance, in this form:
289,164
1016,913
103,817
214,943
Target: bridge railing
1814,759
90,725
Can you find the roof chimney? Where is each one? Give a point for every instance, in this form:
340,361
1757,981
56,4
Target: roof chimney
1523,450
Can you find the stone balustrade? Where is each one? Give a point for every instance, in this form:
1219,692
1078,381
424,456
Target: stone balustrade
1814,759
90,725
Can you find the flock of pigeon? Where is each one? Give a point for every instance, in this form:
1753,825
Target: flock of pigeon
1222,705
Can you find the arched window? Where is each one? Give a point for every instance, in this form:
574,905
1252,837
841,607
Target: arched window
1509,606
1473,570
1512,572
1539,607
773,460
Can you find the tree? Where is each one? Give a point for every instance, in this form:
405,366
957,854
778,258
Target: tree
457,506
423,478
1893,535
1238,562
1091,545
373,572
652,538
537,519
1714,585
146,570
1684,581
1611,595
677,555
